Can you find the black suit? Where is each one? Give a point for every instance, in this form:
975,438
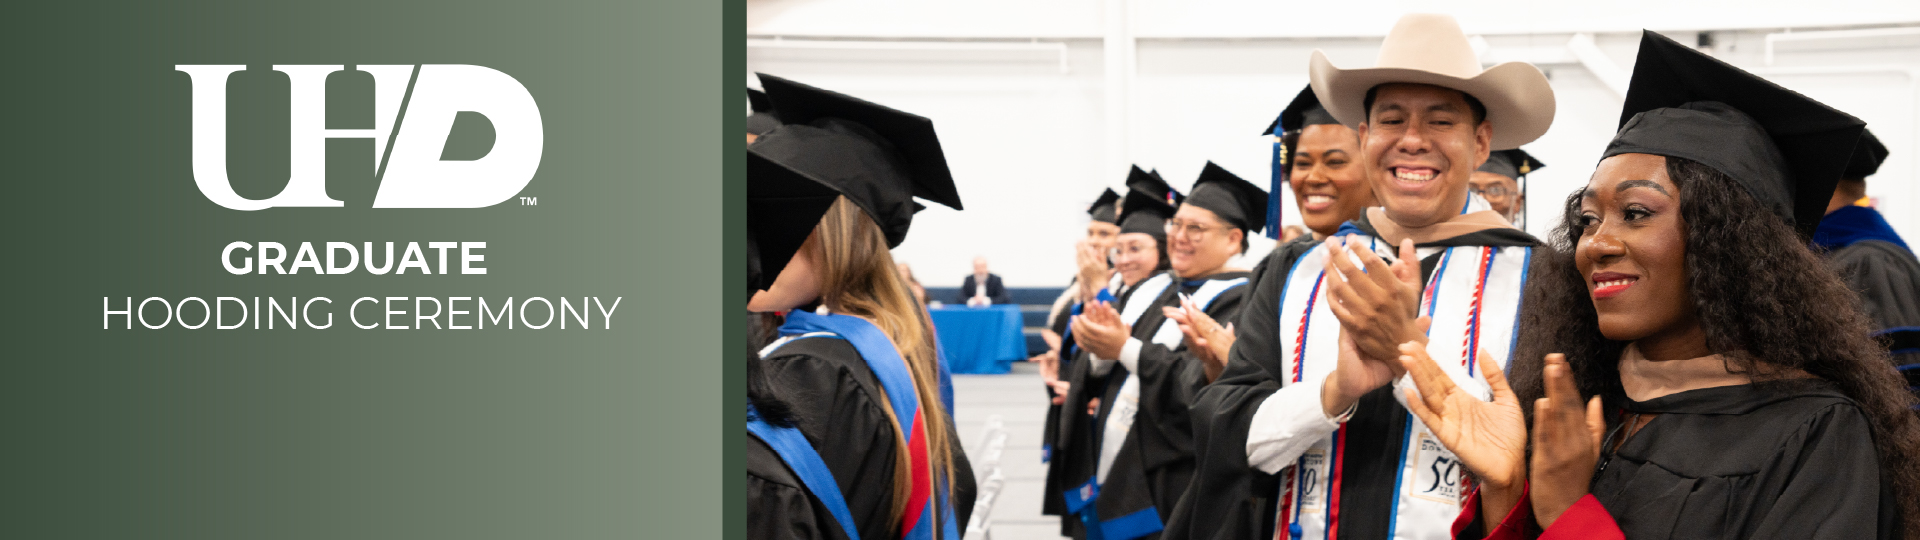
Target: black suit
996,291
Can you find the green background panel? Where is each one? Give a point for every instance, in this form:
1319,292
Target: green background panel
343,432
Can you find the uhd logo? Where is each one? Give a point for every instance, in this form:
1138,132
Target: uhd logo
412,174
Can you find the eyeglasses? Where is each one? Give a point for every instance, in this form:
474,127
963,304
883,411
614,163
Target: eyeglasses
1129,249
1190,229
1492,192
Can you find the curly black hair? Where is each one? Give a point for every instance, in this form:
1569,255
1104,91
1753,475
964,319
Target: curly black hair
1756,287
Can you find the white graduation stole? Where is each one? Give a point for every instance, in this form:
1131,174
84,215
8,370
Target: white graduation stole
1127,401
1474,298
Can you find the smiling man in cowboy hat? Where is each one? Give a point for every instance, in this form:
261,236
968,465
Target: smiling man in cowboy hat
1304,431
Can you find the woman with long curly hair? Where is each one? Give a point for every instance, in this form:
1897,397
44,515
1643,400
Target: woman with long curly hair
855,359
1707,376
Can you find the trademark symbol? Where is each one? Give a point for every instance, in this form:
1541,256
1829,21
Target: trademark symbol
529,201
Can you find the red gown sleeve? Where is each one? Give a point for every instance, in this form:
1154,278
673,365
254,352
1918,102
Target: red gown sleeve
1585,519
1512,527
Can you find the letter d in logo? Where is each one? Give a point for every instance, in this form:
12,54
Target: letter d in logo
414,176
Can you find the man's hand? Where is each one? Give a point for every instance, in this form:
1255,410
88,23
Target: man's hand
1098,329
1375,302
1050,374
1566,443
1489,437
1206,339
1354,375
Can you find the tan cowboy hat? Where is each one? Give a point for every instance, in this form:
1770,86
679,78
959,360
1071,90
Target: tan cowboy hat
1431,49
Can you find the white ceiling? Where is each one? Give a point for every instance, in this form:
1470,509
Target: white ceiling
1229,19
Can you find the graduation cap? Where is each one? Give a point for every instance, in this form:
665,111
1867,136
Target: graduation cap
1144,213
1106,208
762,120
1515,163
1151,184
782,210
1234,199
1867,156
1305,110
1784,149
879,158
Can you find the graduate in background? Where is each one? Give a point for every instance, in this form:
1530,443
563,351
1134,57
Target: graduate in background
1140,263
1873,259
1502,181
1145,436
1090,254
1716,379
1302,436
1093,255
1320,162
855,360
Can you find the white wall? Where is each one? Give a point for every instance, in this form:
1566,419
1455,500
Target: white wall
1027,141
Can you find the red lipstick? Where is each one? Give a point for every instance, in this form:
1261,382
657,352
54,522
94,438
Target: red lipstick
1610,284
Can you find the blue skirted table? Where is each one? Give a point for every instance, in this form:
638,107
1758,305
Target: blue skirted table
980,340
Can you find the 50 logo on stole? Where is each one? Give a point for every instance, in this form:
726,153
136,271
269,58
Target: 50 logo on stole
411,174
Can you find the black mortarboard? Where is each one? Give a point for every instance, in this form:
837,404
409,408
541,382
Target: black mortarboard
1513,163
1234,199
1867,156
782,210
878,157
1144,213
1305,110
762,120
1786,150
1106,208
1150,184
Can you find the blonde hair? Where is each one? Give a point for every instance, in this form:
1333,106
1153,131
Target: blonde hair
858,278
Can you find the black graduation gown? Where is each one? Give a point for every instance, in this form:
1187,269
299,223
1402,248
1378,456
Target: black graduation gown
1790,459
1887,278
1156,463
834,396
1050,437
1230,499
778,504
1075,439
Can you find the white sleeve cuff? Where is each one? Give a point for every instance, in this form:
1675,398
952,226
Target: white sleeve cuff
1288,423
1130,354
1100,367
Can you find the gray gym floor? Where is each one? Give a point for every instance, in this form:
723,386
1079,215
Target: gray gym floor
1021,403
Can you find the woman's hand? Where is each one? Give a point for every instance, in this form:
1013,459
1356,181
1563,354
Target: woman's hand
1098,329
1094,271
1489,437
1206,339
1566,443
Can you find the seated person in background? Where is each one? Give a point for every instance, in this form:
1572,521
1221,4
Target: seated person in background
982,288
913,285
